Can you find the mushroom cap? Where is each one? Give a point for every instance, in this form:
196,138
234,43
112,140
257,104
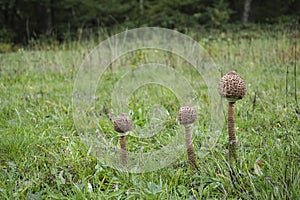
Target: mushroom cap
122,123
232,87
187,115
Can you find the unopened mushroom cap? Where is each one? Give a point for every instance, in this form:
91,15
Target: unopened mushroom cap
232,87
187,115
122,123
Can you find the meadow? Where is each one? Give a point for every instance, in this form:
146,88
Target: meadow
41,156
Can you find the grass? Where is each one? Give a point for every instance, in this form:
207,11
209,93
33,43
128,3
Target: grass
41,156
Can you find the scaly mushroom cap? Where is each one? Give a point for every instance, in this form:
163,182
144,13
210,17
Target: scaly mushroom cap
232,87
187,115
122,123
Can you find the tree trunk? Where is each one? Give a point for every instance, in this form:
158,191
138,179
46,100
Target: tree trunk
247,9
141,7
48,18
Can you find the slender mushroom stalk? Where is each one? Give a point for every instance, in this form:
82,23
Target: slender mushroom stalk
187,116
232,87
123,124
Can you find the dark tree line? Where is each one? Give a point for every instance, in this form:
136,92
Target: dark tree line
22,20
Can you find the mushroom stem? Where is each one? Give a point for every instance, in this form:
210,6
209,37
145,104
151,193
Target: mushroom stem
123,150
189,145
231,132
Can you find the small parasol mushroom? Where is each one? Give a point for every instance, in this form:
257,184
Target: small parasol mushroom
232,87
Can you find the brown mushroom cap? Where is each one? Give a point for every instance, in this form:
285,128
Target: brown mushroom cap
187,115
232,87
122,123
